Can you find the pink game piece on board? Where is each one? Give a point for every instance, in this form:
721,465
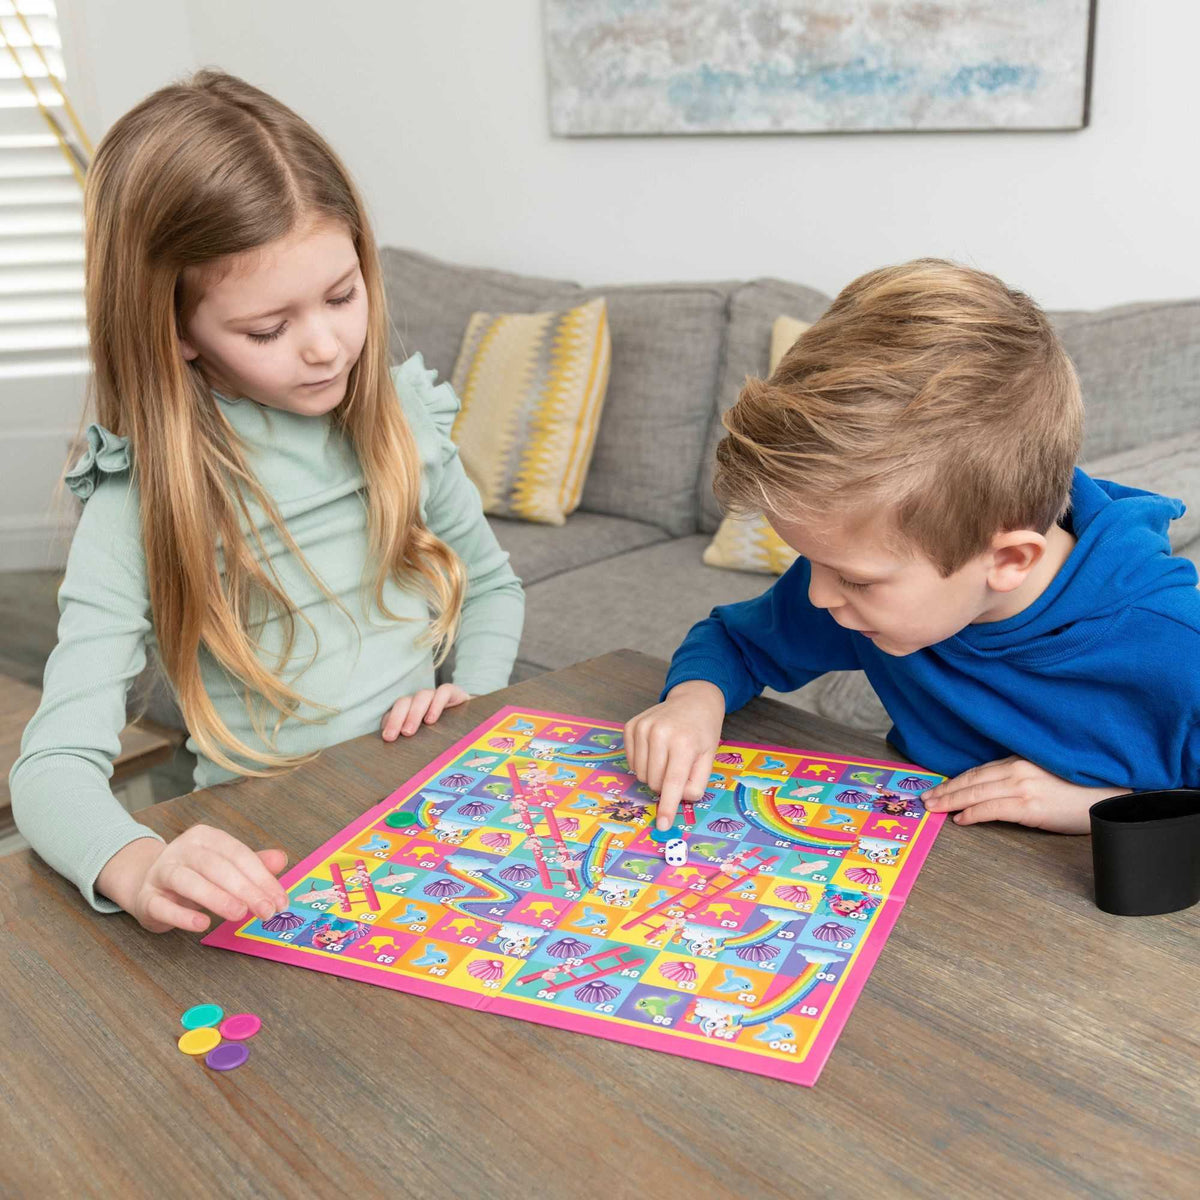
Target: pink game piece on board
240,1026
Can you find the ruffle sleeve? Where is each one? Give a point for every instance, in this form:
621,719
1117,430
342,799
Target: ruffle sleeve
106,454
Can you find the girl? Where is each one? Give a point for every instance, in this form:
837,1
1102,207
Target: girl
282,518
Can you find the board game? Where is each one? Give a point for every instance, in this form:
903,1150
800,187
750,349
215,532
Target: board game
516,875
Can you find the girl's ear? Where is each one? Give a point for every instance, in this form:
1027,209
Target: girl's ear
189,352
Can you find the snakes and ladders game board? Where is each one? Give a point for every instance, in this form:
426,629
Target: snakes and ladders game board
516,875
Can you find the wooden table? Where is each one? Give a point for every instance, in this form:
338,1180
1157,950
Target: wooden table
1012,1041
143,745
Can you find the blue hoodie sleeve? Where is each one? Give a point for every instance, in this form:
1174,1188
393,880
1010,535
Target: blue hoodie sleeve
778,640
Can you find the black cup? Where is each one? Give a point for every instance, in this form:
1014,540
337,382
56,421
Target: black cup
1146,852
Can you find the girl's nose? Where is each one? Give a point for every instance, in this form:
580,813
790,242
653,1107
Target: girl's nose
320,346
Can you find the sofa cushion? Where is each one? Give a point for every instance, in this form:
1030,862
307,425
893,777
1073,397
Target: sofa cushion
1170,467
539,551
1139,367
666,350
430,302
667,341
753,308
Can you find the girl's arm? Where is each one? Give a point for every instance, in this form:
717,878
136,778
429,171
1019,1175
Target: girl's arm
494,609
61,799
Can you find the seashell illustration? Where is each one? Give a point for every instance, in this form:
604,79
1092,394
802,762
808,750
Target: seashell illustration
913,783
762,952
867,876
476,808
831,931
568,947
282,922
518,873
496,841
679,972
726,826
487,969
442,888
597,992
792,893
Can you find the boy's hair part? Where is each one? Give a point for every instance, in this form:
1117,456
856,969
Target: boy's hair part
928,390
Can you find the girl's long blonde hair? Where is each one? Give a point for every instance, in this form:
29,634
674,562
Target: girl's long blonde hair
198,171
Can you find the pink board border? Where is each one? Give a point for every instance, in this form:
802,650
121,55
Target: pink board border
804,1072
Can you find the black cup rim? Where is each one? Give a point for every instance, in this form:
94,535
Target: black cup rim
1162,809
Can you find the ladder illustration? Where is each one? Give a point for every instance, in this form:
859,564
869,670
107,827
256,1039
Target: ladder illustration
731,874
560,858
361,879
622,956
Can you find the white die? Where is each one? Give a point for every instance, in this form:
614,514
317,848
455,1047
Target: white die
675,852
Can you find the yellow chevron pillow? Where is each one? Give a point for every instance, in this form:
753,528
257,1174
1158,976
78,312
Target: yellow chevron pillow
749,543
532,387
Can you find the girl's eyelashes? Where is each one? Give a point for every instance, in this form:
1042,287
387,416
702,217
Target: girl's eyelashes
854,587
271,335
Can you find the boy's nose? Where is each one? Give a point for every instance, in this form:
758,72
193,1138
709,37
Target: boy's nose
821,594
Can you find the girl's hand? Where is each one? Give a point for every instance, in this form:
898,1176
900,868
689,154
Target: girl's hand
406,715
167,886
1012,789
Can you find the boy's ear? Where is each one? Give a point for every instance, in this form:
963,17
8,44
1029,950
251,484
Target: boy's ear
1014,554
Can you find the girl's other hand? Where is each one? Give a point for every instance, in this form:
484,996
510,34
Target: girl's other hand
168,886
407,714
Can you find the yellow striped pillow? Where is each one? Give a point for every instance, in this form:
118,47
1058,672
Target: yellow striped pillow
749,543
532,387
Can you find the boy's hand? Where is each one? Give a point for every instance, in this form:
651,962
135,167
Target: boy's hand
167,886
1012,789
670,747
406,715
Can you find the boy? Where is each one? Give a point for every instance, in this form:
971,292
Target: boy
1024,625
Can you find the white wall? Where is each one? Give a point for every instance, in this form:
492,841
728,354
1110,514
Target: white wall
439,108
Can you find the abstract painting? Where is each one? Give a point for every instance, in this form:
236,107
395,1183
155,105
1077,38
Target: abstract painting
816,66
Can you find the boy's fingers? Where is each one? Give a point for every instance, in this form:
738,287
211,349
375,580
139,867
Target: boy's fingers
1005,808
274,860
697,778
416,710
395,718
632,746
972,795
667,808
656,762
672,790
983,773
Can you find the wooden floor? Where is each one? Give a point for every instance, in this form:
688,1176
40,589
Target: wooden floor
28,632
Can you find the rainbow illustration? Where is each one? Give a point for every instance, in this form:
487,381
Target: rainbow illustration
760,807
599,848
788,998
425,817
777,918
592,755
495,891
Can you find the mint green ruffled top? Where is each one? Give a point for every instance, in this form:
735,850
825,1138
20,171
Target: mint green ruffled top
357,665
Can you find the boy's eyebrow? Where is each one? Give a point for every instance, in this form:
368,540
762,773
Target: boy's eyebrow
276,311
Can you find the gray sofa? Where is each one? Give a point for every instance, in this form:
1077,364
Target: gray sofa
626,570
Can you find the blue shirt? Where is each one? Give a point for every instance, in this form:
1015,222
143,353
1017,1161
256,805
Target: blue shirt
1096,681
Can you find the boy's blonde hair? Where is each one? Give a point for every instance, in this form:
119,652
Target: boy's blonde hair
929,391
195,173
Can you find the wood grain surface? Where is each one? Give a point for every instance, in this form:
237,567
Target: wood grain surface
1012,1041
